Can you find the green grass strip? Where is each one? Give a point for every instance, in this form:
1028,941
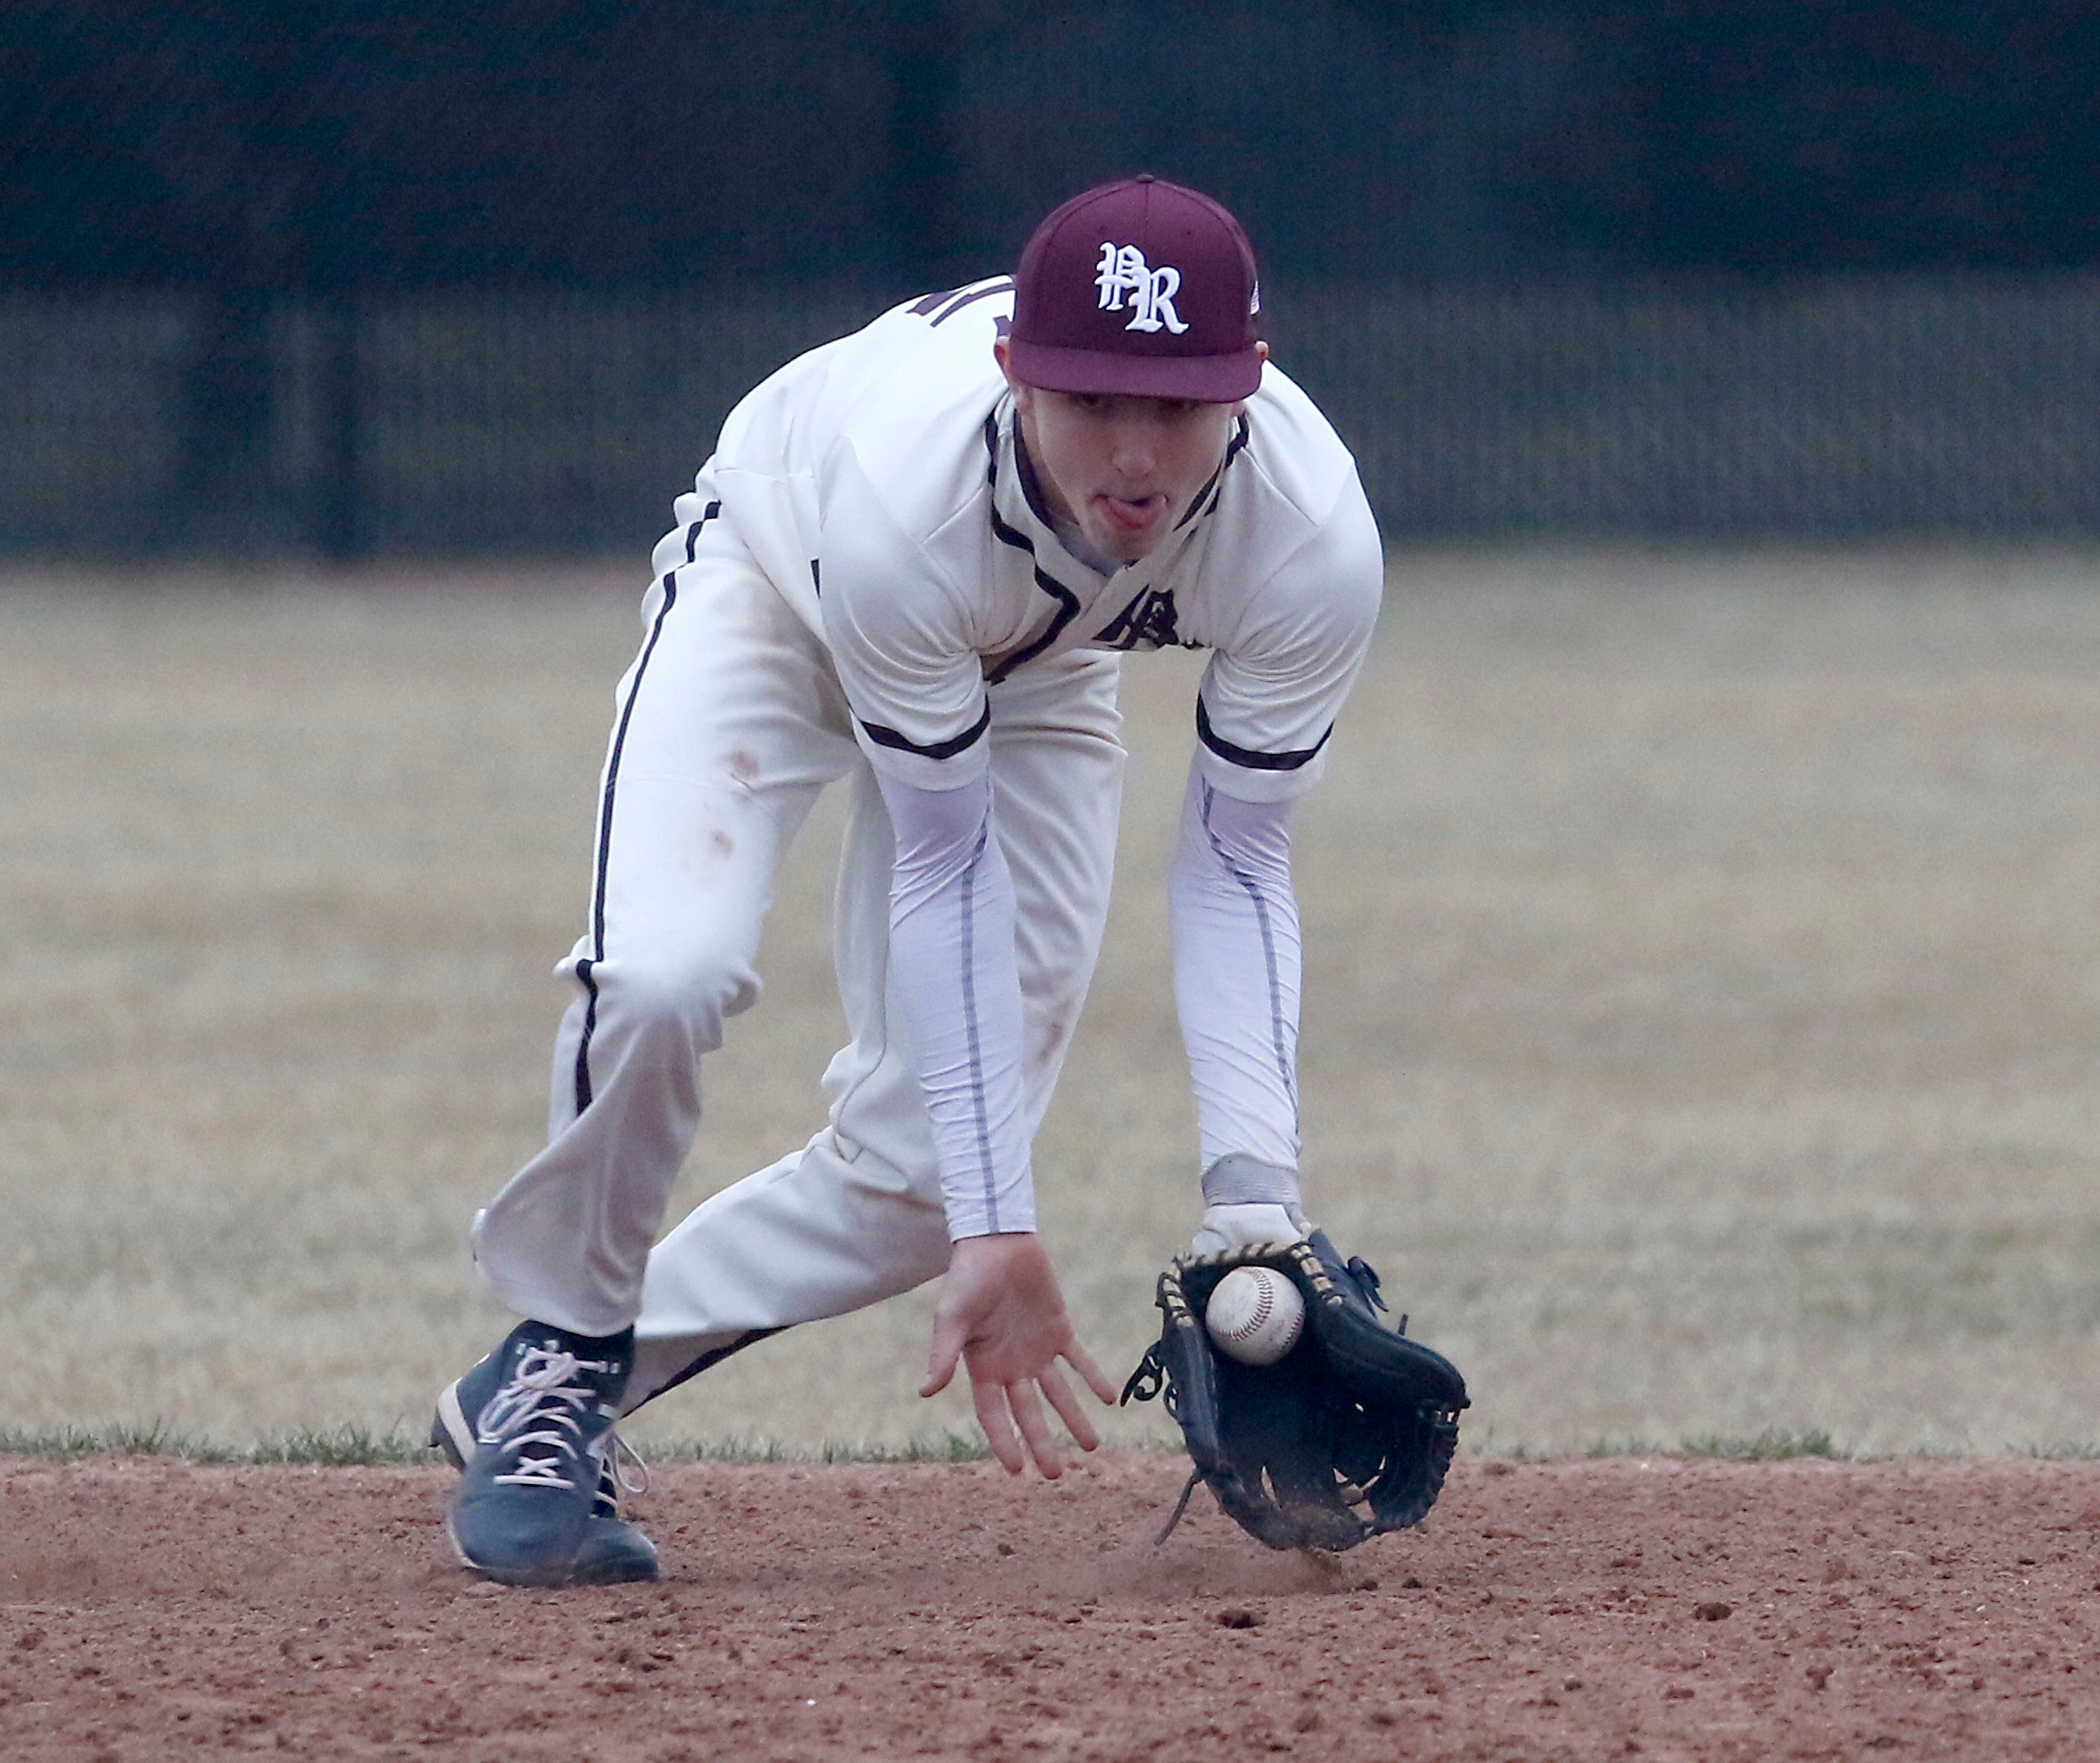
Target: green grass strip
335,1447
950,1448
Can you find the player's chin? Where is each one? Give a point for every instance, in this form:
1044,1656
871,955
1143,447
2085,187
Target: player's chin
1125,550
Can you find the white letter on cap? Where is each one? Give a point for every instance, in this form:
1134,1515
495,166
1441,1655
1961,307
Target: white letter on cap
1155,301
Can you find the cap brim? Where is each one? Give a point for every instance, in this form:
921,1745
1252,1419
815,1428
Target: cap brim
1199,378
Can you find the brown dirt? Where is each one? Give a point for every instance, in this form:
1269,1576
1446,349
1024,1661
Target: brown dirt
1663,1609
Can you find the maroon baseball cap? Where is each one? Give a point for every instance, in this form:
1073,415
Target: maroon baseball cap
1139,287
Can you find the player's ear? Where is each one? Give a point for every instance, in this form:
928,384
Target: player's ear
1236,411
1239,409
1023,394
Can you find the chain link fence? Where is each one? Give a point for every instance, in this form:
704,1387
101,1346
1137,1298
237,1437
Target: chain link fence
484,423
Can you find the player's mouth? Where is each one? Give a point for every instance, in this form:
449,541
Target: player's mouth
1132,513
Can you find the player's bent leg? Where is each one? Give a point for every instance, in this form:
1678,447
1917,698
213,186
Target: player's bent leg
726,728
856,1216
852,1217
625,1092
818,1233
1058,777
566,1240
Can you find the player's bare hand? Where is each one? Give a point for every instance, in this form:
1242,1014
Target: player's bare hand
1002,1317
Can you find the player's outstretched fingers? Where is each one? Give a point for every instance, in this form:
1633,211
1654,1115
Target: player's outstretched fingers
1097,1381
989,1400
943,1356
1066,1402
1035,1428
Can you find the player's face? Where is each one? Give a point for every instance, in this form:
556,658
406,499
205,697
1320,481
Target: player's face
1122,470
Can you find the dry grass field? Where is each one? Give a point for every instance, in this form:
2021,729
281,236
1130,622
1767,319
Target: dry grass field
1703,1025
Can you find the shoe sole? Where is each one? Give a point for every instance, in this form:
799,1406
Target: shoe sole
627,1567
590,1567
537,1577
449,1431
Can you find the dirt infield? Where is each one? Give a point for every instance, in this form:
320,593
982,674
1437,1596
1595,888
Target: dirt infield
1664,1608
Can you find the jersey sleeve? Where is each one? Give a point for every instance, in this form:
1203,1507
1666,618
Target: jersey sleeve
1268,700
958,985
1237,974
901,636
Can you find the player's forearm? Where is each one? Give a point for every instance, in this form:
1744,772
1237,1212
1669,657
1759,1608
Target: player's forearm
952,962
1237,977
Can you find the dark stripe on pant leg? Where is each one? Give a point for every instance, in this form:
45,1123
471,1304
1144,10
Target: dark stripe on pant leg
590,1026
749,1337
605,843
693,532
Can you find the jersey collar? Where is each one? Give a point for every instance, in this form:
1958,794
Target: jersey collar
1016,505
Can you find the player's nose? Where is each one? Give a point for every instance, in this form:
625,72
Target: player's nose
1134,448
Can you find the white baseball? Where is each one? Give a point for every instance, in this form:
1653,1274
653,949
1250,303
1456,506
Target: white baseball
1254,1315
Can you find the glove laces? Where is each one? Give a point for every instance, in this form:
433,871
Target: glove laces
542,1394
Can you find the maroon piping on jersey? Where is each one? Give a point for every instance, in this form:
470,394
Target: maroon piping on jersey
956,298
1247,756
1206,499
1068,602
899,742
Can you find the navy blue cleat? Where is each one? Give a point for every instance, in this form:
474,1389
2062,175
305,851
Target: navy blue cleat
530,1428
614,1552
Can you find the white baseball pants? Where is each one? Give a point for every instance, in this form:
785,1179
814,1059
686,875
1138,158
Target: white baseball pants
728,724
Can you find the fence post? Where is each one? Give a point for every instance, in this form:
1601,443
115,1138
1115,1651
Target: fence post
224,409
338,511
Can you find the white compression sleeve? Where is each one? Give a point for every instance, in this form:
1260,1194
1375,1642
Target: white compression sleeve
1236,982
951,925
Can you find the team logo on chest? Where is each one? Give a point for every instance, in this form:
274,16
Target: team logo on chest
1149,622
1123,273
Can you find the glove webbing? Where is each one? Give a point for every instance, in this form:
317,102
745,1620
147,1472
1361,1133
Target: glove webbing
1260,1436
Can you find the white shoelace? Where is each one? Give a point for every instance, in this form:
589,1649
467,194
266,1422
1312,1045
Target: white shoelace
630,1474
540,1394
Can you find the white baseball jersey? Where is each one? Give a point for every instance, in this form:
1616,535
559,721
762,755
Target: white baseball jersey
861,586
876,481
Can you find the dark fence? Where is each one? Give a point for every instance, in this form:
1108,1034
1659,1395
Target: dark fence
484,423
1927,407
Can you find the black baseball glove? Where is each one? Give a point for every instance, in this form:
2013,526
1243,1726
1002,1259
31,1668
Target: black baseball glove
1348,1434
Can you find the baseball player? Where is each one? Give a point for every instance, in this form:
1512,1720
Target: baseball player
911,565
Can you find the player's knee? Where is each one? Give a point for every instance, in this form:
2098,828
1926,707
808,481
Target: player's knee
691,986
